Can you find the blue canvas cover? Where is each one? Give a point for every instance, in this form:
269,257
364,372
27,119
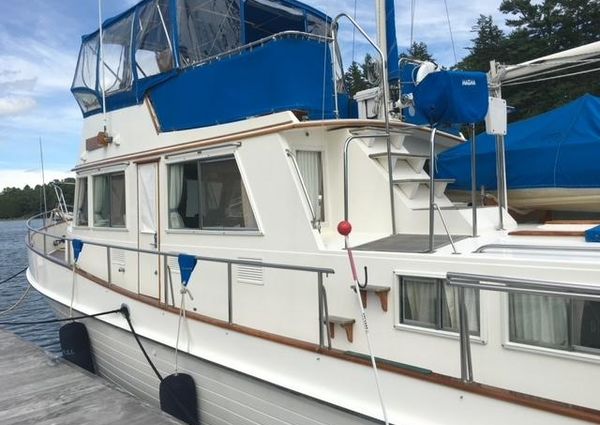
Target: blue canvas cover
557,149
452,97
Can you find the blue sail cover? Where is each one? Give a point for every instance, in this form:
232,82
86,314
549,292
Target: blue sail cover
451,97
557,149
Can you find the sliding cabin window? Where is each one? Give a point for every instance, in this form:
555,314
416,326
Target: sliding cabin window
555,322
311,168
209,194
432,303
109,200
82,202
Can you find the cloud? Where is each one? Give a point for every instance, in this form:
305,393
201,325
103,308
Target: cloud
20,178
12,105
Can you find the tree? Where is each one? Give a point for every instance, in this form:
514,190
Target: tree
490,43
418,51
354,79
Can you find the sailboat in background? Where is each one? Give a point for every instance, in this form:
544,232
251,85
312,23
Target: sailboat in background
552,160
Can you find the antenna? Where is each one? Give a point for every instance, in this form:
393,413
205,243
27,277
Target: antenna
101,35
43,182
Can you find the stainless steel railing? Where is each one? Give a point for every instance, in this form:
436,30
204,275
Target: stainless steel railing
323,310
507,285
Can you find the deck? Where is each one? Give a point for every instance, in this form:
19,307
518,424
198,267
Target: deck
38,389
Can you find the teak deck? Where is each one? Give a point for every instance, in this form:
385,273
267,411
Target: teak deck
42,391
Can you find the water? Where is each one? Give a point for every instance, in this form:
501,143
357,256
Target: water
13,258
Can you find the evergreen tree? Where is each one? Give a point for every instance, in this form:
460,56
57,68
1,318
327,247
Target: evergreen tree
418,51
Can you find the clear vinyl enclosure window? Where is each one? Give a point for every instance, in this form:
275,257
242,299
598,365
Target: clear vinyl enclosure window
209,194
81,212
555,322
432,303
109,200
153,50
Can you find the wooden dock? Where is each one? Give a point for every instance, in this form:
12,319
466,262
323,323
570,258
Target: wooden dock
38,389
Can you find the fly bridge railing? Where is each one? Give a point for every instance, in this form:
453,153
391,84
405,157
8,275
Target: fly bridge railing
506,285
323,309
384,93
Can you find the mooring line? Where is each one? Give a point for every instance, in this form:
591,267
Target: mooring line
13,276
15,305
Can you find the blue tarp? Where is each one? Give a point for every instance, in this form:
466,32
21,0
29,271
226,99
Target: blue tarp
560,148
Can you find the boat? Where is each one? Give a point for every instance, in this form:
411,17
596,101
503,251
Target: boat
284,249
550,160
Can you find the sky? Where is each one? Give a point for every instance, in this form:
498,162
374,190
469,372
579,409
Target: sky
39,44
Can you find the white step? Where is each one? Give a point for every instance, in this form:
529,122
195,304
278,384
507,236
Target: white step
410,186
416,161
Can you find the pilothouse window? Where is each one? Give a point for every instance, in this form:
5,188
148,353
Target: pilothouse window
208,194
432,303
311,168
109,200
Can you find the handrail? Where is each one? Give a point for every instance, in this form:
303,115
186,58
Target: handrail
508,285
482,249
315,222
323,311
432,188
346,168
385,95
446,227
260,42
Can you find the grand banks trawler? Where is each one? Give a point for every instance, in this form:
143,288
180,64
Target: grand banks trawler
219,130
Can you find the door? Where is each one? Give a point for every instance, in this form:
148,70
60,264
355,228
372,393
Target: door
148,230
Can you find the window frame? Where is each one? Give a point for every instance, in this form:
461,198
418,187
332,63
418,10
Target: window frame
323,217
198,160
571,348
76,217
438,328
110,225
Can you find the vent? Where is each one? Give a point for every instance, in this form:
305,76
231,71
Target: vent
117,257
173,264
252,275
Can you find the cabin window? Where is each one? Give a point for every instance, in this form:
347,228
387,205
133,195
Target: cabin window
109,200
432,303
311,168
153,52
82,202
554,322
209,194
117,56
206,30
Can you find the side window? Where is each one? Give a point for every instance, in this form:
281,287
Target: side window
554,322
209,194
109,200
153,52
311,168
82,202
431,303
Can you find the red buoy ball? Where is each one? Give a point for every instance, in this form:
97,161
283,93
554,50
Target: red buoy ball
344,228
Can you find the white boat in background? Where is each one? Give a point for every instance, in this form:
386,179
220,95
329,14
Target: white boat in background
219,133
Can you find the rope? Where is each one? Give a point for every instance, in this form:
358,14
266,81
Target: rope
450,29
183,291
366,328
13,276
185,410
125,312
17,303
69,319
551,78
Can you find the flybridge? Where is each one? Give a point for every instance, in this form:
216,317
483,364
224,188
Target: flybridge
263,55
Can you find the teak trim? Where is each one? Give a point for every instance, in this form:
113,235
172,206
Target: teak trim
534,402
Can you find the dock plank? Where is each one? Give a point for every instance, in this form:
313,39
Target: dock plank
38,389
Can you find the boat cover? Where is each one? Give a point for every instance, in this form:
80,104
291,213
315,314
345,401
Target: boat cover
557,149
452,97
